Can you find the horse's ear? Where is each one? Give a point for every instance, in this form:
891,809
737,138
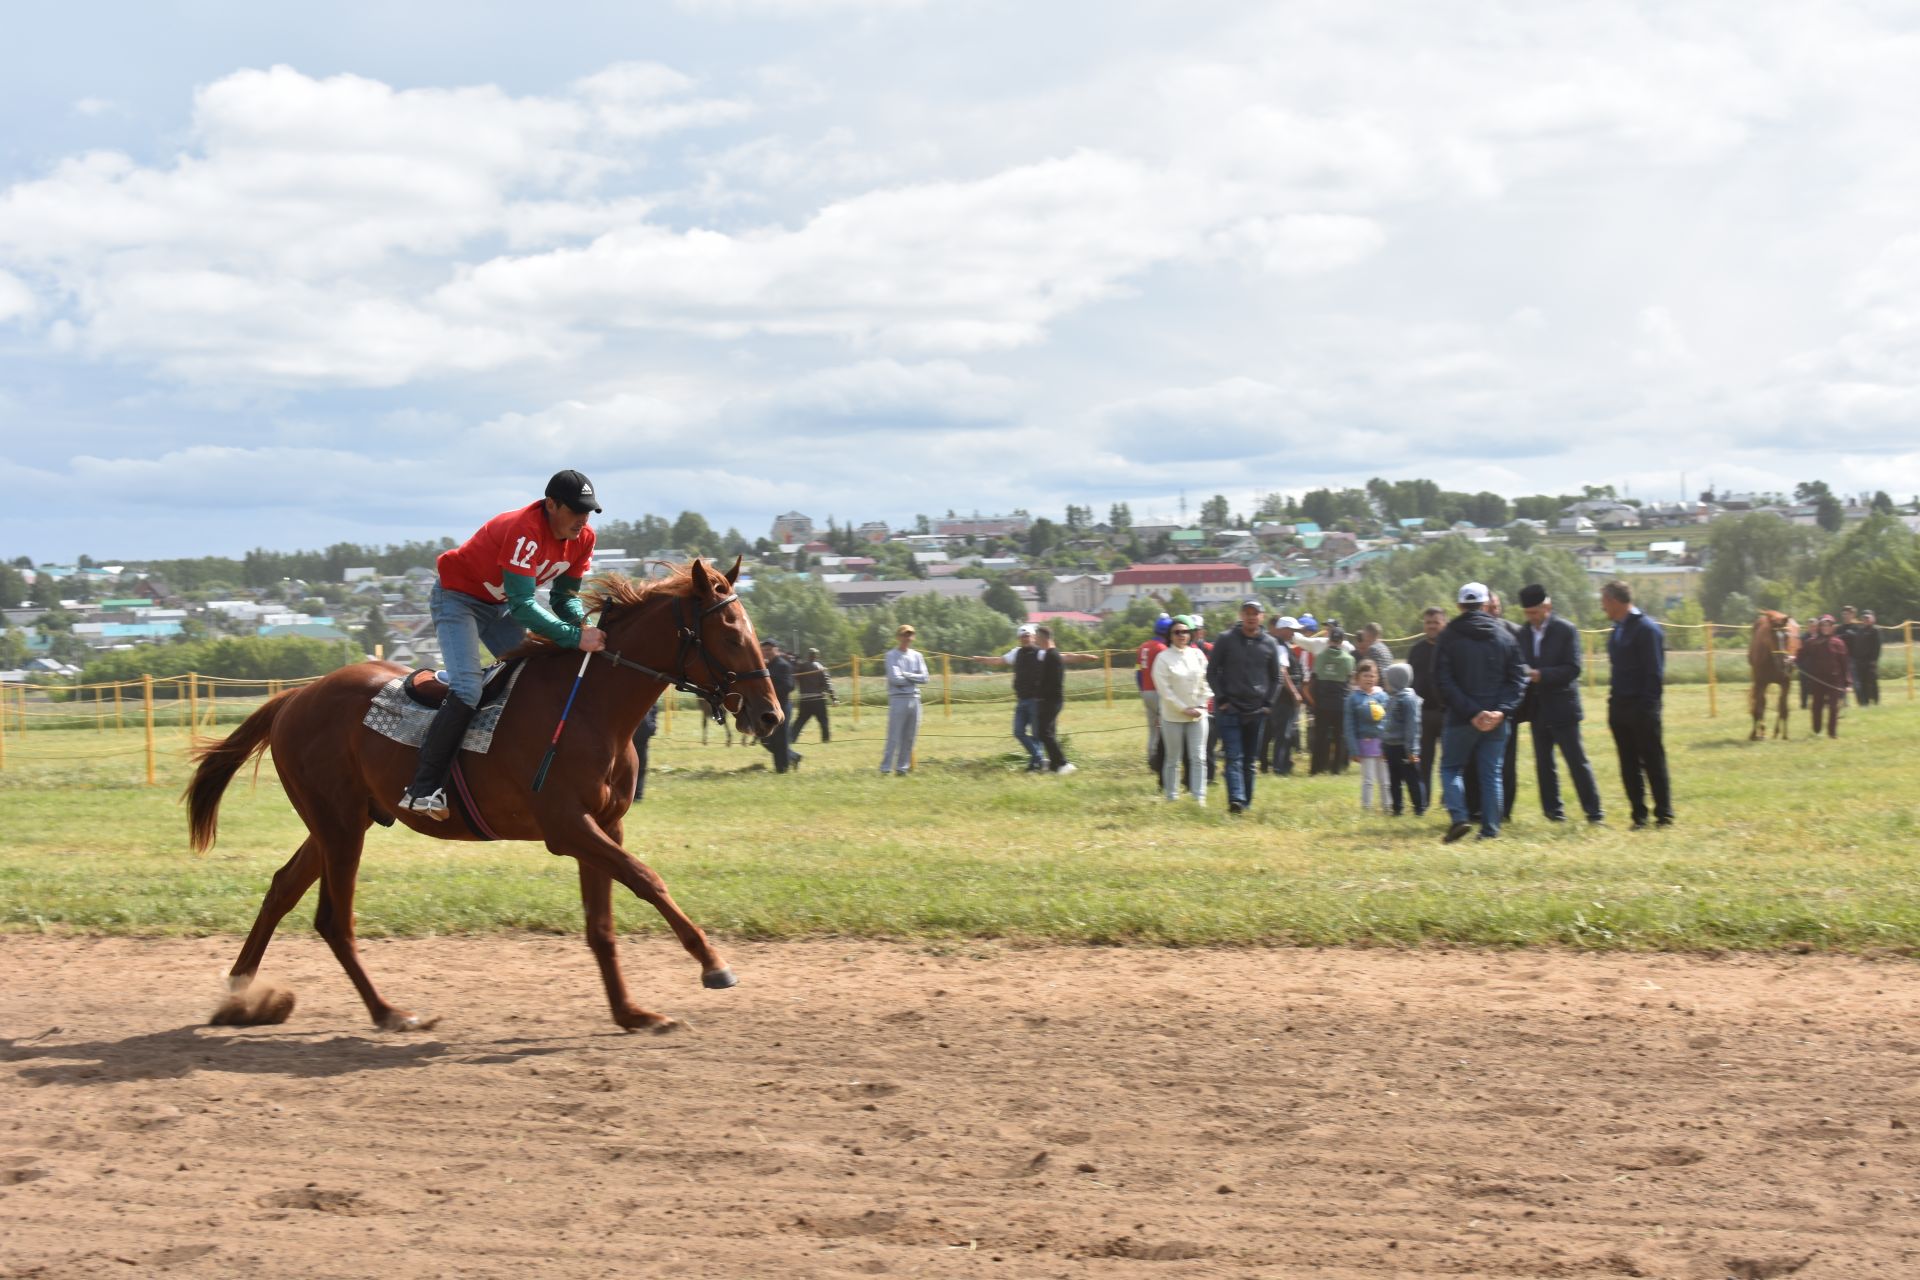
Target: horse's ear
733,574
702,581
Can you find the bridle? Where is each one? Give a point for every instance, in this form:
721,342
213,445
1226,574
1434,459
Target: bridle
691,627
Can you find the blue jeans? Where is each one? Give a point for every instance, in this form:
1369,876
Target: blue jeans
463,624
1464,747
1240,733
1026,718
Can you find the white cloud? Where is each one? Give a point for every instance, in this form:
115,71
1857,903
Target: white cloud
298,240
957,266
16,300
94,106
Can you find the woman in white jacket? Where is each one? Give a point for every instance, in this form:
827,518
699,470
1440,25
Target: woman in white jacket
1180,678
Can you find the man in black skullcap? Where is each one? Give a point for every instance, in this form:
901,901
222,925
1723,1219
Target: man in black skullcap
1550,646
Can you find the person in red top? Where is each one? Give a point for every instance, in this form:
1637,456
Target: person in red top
1143,658
486,596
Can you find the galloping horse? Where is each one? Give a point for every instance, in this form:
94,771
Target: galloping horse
1770,653
688,631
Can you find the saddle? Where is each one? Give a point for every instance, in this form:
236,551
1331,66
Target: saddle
429,688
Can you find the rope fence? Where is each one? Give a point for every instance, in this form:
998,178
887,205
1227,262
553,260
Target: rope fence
169,712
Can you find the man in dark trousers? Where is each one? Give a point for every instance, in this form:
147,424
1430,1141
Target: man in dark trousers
1052,663
1244,671
1862,638
780,670
815,687
1478,671
1638,652
642,740
1510,762
1433,711
1869,660
1823,660
1550,646
1284,720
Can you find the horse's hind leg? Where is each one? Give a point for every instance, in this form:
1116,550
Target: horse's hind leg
244,1006
1780,725
596,896
334,922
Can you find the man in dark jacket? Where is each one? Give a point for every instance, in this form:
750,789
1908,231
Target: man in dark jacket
1550,647
1284,720
1823,661
1479,675
815,686
780,671
1433,711
1862,637
1637,651
1510,760
1244,671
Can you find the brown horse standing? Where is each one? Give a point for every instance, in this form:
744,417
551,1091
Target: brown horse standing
338,773
1770,653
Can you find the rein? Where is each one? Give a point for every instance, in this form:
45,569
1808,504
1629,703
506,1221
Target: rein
691,631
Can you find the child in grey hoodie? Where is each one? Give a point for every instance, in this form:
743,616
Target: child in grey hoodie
1400,737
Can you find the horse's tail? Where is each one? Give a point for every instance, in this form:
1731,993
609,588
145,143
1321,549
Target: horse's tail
219,761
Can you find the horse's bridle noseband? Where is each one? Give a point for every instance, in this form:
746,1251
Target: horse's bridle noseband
692,639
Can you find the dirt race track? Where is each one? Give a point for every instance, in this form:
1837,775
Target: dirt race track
862,1110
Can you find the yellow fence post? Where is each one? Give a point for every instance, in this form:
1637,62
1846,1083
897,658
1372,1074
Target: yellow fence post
1906,626
946,684
1713,686
856,690
670,697
146,693
119,721
1592,659
1106,669
213,704
193,704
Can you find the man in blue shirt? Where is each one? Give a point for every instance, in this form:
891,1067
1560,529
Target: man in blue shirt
1637,649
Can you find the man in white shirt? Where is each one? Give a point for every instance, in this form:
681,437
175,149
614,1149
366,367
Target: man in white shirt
906,672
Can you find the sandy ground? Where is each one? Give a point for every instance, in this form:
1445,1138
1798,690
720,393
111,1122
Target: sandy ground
862,1109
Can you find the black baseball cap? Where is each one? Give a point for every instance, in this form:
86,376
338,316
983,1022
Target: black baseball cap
573,489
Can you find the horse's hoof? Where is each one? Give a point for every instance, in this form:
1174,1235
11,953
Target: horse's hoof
259,1005
398,1021
657,1023
718,979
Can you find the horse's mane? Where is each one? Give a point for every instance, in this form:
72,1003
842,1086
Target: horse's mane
605,590
611,589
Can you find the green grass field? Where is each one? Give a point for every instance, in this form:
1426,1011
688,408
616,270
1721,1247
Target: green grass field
1797,845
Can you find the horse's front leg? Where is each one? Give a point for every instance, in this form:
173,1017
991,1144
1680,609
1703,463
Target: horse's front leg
596,896
584,840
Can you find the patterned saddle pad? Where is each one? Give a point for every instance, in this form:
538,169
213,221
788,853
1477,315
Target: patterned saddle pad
397,716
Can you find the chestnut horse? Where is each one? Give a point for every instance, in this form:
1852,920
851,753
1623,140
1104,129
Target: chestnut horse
1770,654
688,630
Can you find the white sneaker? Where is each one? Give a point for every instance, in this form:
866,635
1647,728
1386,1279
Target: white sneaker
433,806
1065,769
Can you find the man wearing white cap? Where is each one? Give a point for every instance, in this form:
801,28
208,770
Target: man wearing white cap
1037,695
1479,674
1026,693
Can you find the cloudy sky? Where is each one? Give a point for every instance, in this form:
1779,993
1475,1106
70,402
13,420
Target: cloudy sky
284,276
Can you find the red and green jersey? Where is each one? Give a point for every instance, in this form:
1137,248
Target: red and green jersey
518,542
